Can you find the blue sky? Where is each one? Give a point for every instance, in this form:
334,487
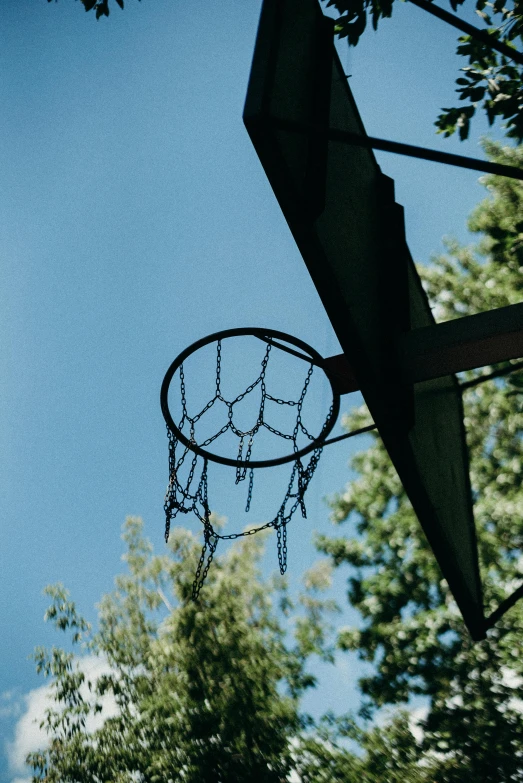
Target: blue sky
136,218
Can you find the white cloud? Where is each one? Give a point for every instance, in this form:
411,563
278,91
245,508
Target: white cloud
417,714
29,737
416,717
513,680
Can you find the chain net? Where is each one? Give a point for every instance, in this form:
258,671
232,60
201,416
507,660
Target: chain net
190,495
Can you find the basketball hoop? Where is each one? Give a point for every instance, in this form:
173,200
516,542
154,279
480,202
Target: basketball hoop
191,450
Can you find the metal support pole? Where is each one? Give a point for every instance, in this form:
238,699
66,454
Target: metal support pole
480,35
411,150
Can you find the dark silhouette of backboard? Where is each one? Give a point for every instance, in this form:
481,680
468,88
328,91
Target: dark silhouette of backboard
341,211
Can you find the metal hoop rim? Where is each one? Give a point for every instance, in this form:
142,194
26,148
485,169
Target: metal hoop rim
255,332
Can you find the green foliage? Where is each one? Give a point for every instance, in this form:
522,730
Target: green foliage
207,691
411,630
385,753
203,691
490,80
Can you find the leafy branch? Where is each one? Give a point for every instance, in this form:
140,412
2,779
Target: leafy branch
490,81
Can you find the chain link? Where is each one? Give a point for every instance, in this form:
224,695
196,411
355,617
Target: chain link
249,491
191,496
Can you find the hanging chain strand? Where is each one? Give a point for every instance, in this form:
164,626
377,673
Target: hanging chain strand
249,491
191,494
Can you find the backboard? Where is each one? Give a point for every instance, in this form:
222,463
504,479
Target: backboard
340,209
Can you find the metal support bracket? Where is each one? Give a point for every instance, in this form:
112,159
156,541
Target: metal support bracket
450,347
463,344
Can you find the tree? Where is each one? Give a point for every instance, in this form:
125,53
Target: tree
490,79
386,753
204,691
412,632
